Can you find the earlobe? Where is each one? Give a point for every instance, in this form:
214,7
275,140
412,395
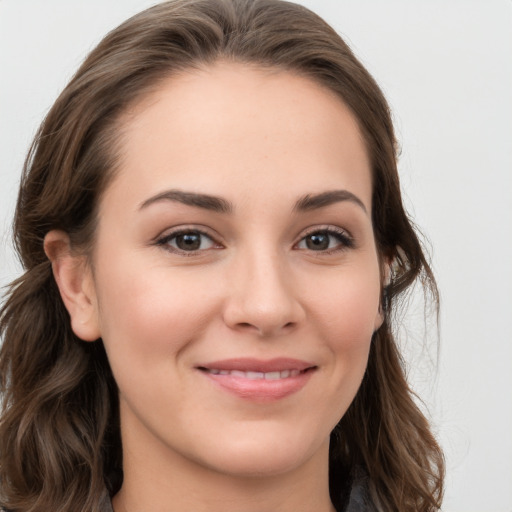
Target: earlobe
76,286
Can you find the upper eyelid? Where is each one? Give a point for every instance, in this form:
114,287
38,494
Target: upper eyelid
325,227
170,232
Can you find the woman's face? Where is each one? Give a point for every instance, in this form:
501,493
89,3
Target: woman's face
236,281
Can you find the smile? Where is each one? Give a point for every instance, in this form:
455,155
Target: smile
260,381
284,374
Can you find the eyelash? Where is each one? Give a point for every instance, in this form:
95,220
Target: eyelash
345,241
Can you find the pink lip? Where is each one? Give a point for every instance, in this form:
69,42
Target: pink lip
261,390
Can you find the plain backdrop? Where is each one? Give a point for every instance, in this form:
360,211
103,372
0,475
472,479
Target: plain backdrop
446,68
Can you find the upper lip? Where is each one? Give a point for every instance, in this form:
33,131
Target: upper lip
247,364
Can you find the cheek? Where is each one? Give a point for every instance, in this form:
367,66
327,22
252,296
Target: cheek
342,311
150,314
345,310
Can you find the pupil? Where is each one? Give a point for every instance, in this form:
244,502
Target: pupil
188,241
318,241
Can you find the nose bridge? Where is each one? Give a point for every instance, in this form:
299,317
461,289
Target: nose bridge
261,295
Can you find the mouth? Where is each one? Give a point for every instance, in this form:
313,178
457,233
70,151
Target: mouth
258,380
284,374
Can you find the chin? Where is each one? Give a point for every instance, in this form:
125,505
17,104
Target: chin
260,456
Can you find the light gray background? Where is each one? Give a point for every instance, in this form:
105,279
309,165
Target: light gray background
446,69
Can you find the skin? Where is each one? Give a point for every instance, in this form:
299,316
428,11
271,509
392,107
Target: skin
256,287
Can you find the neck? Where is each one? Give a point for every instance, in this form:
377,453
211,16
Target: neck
163,481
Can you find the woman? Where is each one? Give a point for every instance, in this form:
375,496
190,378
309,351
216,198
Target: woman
214,241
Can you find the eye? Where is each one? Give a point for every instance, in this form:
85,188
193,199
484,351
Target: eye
327,240
189,240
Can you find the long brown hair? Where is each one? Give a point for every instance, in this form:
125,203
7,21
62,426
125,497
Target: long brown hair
59,433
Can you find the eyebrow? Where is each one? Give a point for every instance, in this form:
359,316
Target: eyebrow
312,202
220,205
212,203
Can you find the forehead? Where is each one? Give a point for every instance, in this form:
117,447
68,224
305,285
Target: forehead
234,129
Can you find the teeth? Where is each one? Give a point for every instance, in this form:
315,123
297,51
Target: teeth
255,375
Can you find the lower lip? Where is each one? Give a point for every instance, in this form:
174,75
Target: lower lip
261,389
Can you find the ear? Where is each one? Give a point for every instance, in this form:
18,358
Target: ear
74,280
386,280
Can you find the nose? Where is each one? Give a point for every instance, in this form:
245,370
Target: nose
262,298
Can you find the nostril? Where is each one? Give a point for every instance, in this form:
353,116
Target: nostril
248,325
